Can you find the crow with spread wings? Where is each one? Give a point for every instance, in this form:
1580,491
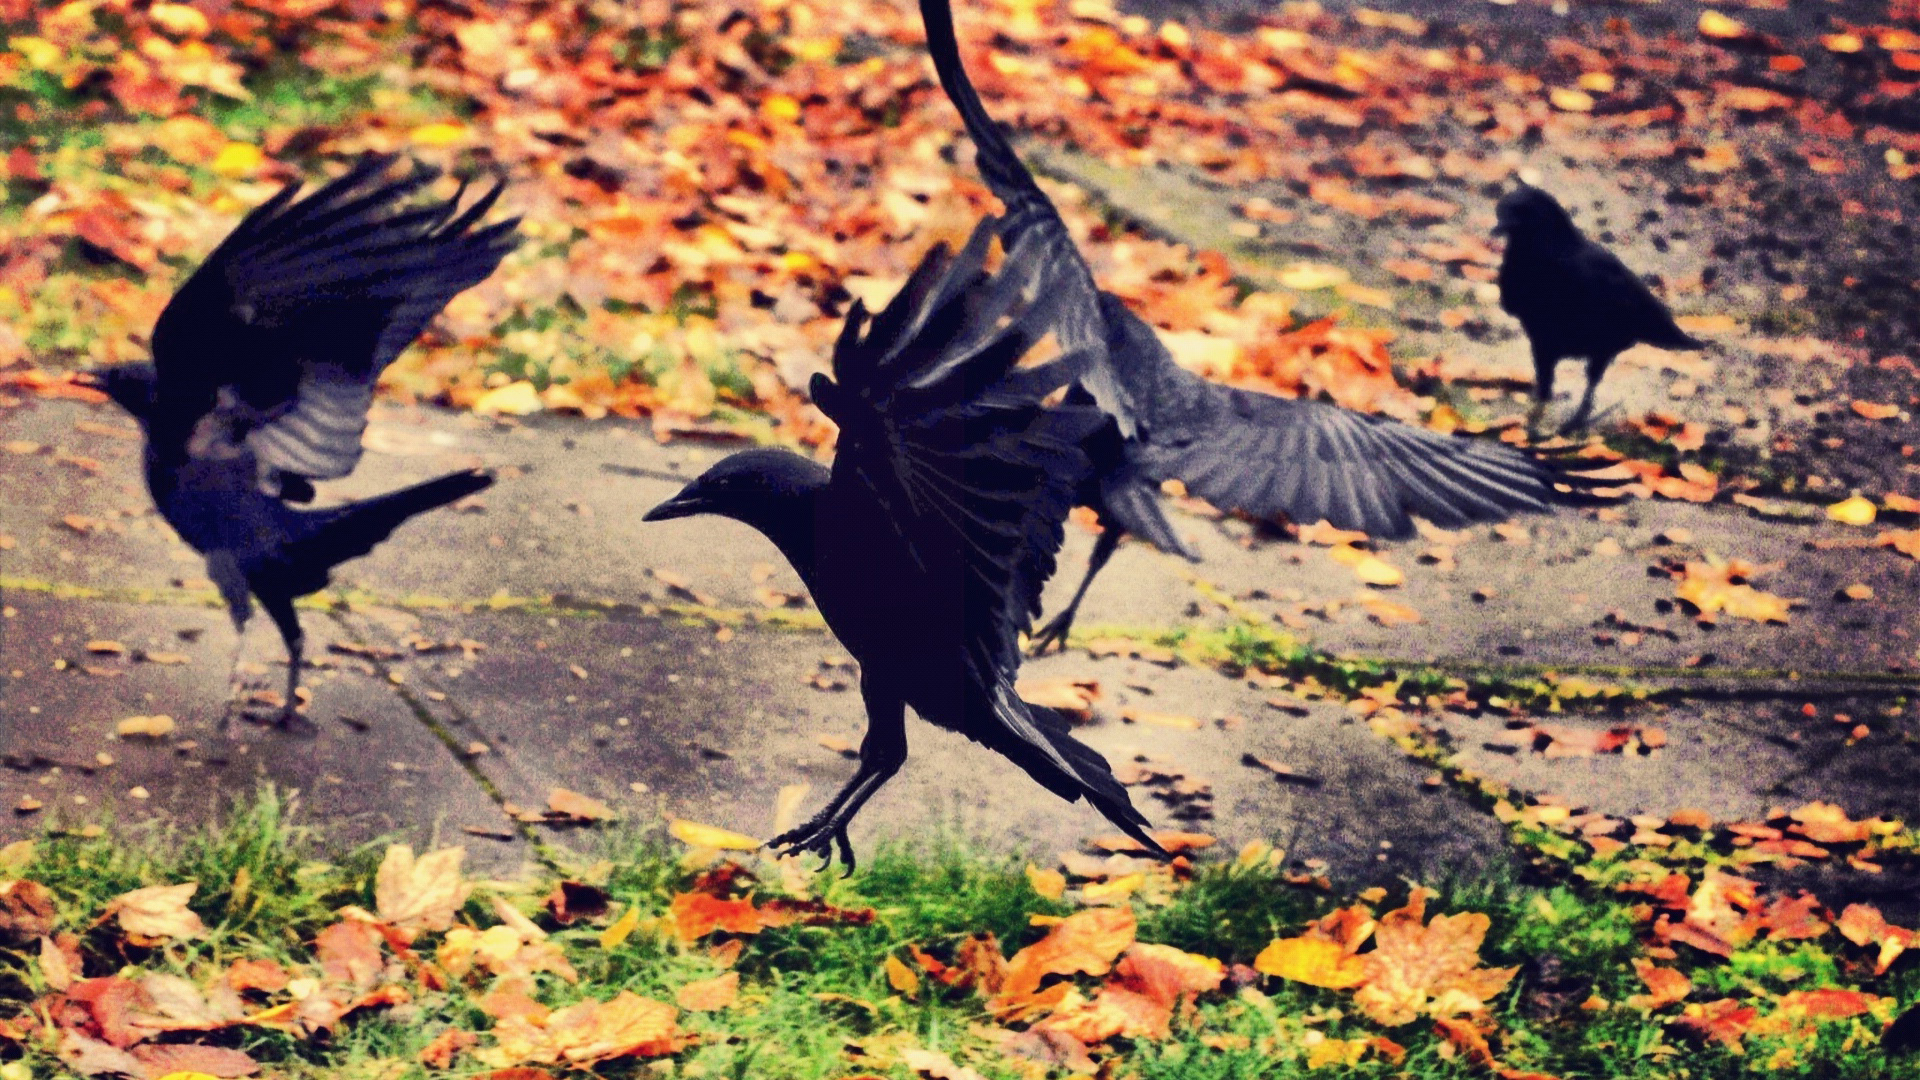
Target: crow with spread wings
263,370
926,544
1264,456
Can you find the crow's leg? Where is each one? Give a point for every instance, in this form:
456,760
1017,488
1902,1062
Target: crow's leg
1596,367
225,572
882,753
1543,366
280,609
1055,632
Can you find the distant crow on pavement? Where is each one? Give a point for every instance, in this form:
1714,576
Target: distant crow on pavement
263,369
1573,297
926,544
1264,456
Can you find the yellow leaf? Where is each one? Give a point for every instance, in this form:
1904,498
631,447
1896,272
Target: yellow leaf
440,134
694,834
1114,891
1314,961
153,727
901,977
1715,25
1854,511
1370,569
780,107
1048,883
622,928
39,53
238,159
1569,100
1305,276
181,20
513,399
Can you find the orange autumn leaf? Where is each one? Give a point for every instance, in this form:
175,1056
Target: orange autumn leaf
1710,589
708,995
1115,1012
1723,1021
697,914
1665,985
1864,925
1427,969
1085,943
1166,975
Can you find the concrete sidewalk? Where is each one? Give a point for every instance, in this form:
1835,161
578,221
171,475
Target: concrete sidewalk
545,638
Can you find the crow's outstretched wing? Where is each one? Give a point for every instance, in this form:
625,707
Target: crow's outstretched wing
279,337
946,433
1031,225
1271,457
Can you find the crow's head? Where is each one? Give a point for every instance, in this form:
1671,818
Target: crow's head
1527,214
770,490
132,386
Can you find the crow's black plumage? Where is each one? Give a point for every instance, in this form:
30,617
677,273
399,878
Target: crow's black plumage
926,544
1253,453
1573,297
263,369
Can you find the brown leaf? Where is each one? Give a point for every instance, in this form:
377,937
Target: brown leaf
709,995
257,973
588,1033
573,900
349,953
572,804
447,1045
189,1059
26,911
157,914
420,894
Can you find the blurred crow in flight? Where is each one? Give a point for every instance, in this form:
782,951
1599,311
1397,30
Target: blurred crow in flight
1256,454
263,370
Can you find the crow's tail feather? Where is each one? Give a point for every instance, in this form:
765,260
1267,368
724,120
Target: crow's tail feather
348,532
1092,777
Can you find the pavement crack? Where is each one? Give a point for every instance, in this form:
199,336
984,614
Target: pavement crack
448,738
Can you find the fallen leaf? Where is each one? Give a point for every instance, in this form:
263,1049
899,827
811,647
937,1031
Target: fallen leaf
709,995
420,894
157,914
694,834
577,807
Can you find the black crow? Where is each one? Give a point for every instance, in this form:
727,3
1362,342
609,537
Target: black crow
263,369
1573,297
926,544
1258,454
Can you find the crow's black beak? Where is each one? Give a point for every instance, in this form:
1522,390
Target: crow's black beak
682,505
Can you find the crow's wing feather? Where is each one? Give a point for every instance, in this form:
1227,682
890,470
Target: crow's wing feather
1617,297
1271,457
299,310
1031,228
948,436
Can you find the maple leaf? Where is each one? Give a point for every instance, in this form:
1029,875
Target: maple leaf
1863,924
1723,1021
1086,942
420,894
1431,969
157,914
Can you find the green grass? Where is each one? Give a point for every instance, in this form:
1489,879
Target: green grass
816,1001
